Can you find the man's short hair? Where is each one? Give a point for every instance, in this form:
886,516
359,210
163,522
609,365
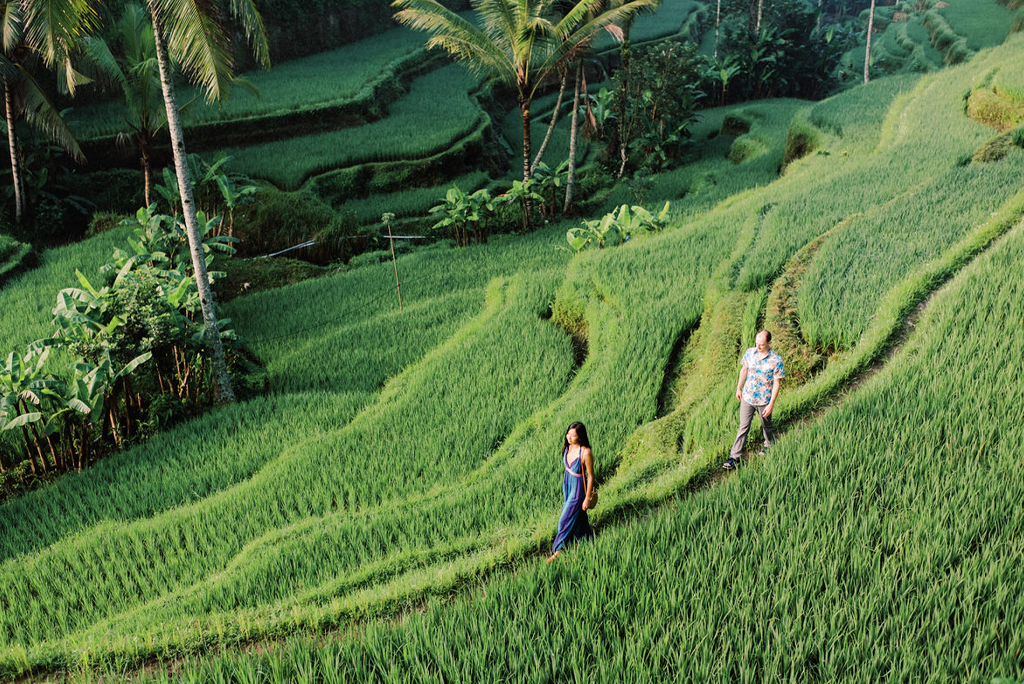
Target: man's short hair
768,334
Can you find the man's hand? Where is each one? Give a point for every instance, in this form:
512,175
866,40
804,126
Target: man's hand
739,394
767,410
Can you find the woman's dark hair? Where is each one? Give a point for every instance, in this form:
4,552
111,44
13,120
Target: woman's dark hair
581,436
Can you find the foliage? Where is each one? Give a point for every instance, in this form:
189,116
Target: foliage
988,107
348,77
216,192
657,96
441,97
130,339
616,227
412,520
787,57
466,215
473,216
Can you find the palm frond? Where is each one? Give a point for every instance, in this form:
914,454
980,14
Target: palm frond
462,39
13,22
98,54
55,27
577,37
8,69
252,23
135,30
196,40
42,115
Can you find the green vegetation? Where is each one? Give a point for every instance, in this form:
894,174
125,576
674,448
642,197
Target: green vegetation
982,24
383,506
13,257
441,97
25,319
673,18
346,76
908,540
857,265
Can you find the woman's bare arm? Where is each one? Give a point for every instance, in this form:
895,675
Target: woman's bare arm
588,468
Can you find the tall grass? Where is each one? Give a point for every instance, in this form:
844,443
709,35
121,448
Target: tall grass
858,183
27,301
13,255
437,111
881,523
852,554
855,268
712,176
324,79
982,23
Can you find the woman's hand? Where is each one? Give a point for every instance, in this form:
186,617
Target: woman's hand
586,503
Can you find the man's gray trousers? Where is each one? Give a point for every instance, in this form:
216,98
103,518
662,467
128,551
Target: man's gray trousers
747,412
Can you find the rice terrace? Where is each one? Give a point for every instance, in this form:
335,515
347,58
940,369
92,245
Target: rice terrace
298,298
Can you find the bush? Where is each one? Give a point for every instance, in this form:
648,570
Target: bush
114,190
985,106
747,147
735,123
803,139
995,149
278,220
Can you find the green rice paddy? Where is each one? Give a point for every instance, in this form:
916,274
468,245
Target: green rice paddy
381,514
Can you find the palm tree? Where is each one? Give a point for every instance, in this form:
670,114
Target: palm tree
137,75
31,30
191,31
521,42
621,34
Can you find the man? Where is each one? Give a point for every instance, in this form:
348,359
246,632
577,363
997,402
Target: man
756,390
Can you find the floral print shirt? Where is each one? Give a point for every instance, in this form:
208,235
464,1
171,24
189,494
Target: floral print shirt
761,372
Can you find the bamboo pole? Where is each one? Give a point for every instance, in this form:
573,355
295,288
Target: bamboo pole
386,218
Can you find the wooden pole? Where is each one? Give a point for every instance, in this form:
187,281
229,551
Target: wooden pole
387,221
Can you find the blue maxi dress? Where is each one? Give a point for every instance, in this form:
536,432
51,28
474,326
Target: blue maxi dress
573,524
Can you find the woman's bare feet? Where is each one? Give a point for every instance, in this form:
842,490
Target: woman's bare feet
553,556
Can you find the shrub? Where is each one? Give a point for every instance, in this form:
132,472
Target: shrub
114,190
747,147
278,220
802,139
735,123
995,149
986,107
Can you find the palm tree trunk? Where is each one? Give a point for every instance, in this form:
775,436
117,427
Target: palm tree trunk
718,25
147,165
551,127
223,393
12,139
570,181
817,24
524,107
623,107
760,10
867,49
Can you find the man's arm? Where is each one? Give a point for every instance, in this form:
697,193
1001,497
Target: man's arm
775,395
739,383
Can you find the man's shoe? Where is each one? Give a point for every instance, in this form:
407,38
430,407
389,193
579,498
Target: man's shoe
731,463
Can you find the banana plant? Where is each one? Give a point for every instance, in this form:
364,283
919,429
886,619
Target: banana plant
616,227
22,388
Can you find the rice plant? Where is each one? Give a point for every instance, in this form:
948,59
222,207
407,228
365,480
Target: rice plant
982,24
874,542
321,80
437,111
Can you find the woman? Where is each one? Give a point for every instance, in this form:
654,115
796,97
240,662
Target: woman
577,458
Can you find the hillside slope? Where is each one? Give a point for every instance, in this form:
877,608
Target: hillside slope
878,540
